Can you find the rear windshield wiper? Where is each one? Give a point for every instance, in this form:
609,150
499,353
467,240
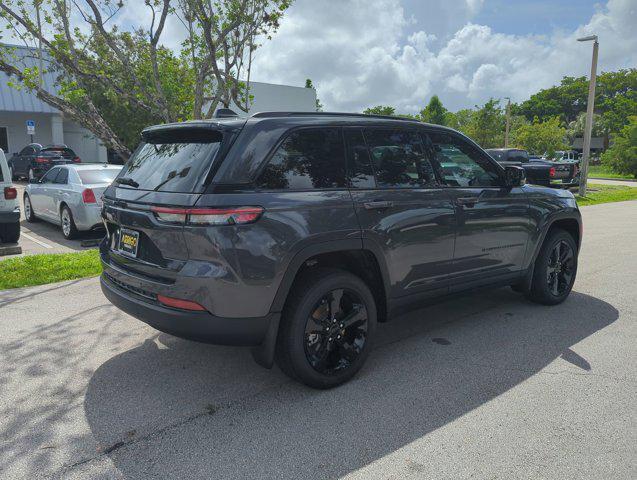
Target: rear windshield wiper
127,181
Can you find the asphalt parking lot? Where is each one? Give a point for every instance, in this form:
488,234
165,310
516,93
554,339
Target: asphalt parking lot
486,386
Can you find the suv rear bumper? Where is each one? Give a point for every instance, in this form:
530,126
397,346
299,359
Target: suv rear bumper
202,327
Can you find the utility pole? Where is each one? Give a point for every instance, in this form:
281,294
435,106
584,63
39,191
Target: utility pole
589,115
508,122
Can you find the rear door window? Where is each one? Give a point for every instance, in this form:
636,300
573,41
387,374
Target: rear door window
399,160
174,161
307,159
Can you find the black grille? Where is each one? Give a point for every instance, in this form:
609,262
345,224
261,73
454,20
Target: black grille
129,288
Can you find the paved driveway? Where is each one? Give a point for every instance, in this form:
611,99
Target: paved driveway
489,386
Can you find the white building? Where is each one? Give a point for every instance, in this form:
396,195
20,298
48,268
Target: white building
19,106
268,97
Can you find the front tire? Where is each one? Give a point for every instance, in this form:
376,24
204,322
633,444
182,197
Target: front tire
327,328
555,269
69,230
28,210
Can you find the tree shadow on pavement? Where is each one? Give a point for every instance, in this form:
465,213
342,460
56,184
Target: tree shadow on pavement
177,409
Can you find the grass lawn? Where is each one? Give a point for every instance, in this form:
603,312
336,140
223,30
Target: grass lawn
600,171
48,268
596,193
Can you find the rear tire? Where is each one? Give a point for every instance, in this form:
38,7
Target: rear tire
555,269
69,230
327,328
10,232
28,210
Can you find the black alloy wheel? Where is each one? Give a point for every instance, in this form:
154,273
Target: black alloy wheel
336,331
555,269
561,268
327,327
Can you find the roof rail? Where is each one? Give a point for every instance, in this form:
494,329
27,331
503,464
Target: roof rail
329,114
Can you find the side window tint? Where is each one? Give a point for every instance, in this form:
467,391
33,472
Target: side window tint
62,176
50,175
359,164
460,163
399,160
27,151
307,159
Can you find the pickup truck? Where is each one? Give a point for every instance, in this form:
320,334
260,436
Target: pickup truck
538,170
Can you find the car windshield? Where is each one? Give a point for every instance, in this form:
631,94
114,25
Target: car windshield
58,151
172,164
102,175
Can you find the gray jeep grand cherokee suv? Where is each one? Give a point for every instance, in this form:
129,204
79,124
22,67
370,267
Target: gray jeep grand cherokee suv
295,233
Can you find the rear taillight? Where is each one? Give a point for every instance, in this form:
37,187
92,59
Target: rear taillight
10,193
552,172
77,160
208,216
42,160
88,196
178,303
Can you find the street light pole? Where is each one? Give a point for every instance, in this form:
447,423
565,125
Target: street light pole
508,122
586,152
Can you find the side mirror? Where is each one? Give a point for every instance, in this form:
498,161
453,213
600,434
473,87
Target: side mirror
34,180
514,176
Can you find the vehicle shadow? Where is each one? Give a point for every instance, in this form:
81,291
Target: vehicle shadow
200,411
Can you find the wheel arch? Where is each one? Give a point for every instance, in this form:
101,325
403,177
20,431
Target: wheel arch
565,221
348,255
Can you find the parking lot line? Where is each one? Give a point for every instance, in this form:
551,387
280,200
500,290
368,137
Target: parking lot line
39,242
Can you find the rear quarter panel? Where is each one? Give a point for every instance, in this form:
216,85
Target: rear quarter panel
250,260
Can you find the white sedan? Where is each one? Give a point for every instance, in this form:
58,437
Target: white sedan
69,196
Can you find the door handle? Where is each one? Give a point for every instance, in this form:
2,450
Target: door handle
467,201
378,205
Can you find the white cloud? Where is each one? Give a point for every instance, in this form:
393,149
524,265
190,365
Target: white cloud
362,53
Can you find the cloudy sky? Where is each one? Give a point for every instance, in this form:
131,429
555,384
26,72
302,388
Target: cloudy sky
361,53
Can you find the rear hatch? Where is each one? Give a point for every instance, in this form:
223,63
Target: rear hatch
168,171
59,155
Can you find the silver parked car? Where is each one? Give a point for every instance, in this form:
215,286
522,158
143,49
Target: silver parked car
70,196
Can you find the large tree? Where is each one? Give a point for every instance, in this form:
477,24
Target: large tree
615,99
100,69
541,137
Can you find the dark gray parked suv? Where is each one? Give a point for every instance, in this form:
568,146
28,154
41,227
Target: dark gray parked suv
295,233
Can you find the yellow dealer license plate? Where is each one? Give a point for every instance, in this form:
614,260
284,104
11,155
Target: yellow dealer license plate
128,242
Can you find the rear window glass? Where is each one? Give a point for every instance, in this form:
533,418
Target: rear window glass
65,152
103,175
168,163
307,159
